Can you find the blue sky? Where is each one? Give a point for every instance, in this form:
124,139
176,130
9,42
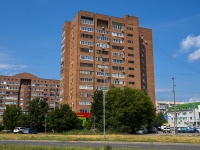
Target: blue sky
30,36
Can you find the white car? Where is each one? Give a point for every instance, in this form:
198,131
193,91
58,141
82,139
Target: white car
167,130
18,129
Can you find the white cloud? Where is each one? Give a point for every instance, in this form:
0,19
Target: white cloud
191,45
9,65
190,42
194,99
13,67
194,56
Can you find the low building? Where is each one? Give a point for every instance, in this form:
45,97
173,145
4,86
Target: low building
21,88
163,105
186,114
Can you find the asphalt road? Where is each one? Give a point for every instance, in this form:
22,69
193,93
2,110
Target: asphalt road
97,144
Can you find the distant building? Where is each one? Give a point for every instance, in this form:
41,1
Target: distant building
187,115
98,51
22,88
163,105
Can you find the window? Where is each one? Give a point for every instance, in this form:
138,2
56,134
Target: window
118,68
143,81
86,57
102,66
88,29
130,68
85,94
131,75
103,59
86,72
86,43
131,55
86,35
103,45
118,54
102,73
102,38
129,28
87,20
82,102
130,41
117,82
117,25
102,31
130,61
86,50
131,83
103,52
86,65
84,110
86,79
86,87
118,41
102,80
130,35
117,47
101,88
130,48
117,34
117,61
117,75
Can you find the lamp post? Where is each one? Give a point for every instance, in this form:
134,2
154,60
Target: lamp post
175,117
104,94
194,115
104,111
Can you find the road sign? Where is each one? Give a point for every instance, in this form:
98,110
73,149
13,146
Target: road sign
166,117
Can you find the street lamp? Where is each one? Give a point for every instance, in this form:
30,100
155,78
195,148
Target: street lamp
175,117
104,94
104,111
194,115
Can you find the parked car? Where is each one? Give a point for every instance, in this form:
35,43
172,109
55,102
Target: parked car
18,129
152,129
198,130
141,131
167,130
29,131
186,130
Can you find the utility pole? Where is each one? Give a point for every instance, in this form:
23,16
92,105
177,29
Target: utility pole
175,116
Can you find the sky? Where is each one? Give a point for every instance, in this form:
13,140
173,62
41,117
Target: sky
30,37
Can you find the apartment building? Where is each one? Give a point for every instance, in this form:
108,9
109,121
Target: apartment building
98,51
21,88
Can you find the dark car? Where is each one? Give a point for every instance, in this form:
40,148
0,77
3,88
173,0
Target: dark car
29,131
152,129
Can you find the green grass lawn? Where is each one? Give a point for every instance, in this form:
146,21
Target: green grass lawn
109,137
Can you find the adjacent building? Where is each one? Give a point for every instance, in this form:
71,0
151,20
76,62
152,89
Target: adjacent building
21,88
98,51
163,105
186,115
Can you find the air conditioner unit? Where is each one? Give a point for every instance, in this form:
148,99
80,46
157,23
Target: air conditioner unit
103,27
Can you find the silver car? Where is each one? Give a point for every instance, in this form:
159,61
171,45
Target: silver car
18,129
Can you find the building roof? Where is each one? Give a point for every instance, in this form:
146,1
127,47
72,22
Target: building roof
184,107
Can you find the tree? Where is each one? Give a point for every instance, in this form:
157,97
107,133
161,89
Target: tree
126,109
36,110
63,119
159,120
11,116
